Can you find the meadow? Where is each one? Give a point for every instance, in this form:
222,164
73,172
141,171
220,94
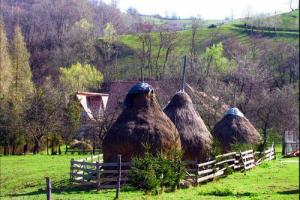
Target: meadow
23,177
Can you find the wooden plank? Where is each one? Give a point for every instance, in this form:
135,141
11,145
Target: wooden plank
257,152
249,162
226,155
211,176
205,171
247,152
237,166
113,171
108,186
248,156
249,166
268,151
84,169
225,161
84,163
113,179
206,163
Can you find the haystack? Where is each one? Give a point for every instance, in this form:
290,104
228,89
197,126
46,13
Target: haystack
142,122
80,145
235,128
195,138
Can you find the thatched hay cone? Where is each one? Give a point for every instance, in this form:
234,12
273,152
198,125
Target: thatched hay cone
235,128
141,123
195,138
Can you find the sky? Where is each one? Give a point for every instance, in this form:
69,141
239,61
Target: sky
206,9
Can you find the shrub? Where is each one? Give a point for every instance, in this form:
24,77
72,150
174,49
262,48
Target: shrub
151,173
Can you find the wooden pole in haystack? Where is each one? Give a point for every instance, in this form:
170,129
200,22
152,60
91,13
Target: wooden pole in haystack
183,74
142,73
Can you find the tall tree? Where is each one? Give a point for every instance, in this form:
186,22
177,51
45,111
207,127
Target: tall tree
80,77
5,62
22,84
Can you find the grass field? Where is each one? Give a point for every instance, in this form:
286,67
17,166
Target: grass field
23,177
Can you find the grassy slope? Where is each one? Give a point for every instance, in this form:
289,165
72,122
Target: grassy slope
22,177
129,66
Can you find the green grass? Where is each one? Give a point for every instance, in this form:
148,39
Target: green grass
23,177
129,66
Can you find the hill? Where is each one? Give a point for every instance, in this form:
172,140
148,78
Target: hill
286,31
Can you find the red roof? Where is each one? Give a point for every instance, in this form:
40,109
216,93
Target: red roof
164,90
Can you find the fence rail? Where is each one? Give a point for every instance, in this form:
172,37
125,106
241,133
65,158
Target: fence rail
93,171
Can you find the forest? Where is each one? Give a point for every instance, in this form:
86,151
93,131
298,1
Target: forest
49,50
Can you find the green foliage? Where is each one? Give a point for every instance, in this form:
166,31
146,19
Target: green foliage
143,173
22,84
216,148
80,77
72,120
5,63
150,172
110,34
215,60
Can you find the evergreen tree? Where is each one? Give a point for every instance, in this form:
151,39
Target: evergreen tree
5,63
22,84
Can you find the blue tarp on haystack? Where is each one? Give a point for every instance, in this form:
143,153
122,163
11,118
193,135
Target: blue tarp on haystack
139,88
234,111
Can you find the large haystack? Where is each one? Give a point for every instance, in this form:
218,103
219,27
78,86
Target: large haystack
235,128
196,140
141,123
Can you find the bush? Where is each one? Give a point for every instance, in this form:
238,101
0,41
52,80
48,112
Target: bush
151,173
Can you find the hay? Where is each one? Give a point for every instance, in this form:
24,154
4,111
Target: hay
196,140
80,145
235,128
141,123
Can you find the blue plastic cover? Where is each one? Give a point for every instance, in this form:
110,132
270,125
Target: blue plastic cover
139,88
234,111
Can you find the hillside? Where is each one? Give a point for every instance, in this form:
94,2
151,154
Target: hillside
128,66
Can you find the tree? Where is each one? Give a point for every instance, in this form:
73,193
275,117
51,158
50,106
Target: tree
110,36
78,44
5,63
214,60
80,77
196,24
42,115
22,84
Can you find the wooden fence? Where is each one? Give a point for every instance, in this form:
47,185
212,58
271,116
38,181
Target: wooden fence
109,175
79,151
102,175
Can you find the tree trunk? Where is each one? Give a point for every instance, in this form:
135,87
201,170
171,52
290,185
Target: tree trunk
36,147
59,150
25,148
6,150
47,146
13,152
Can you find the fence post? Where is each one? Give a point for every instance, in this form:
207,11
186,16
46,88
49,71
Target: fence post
71,170
241,157
48,188
273,149
119,176
197,173
98,175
